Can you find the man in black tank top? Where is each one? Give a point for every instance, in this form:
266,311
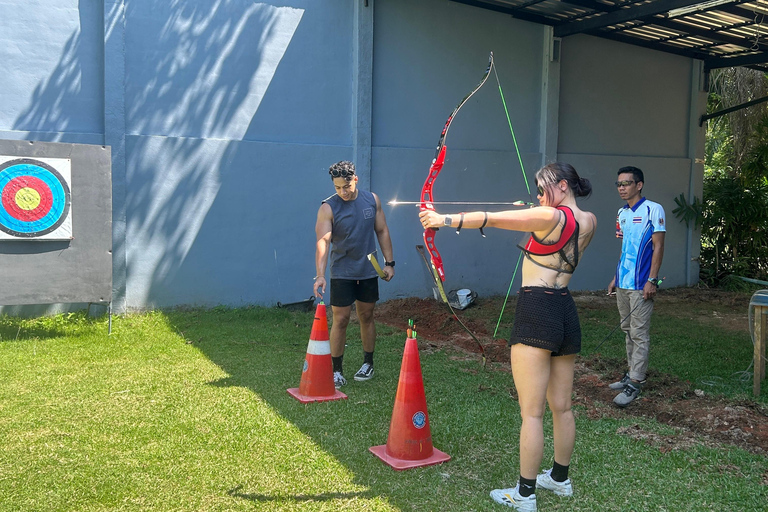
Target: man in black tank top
348,225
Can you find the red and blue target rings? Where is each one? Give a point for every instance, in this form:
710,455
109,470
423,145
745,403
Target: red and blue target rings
35,198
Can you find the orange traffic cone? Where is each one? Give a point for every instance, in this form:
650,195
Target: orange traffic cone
409,444
317,376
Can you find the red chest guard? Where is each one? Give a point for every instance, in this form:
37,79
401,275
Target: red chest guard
537,248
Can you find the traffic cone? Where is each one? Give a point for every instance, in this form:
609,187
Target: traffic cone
409,444
317,376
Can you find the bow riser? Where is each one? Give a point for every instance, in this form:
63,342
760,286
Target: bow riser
426,204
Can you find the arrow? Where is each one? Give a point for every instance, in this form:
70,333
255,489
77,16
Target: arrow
395,202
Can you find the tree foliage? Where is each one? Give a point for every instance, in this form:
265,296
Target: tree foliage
734,211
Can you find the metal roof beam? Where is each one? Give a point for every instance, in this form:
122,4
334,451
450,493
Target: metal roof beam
634,41
712,34
728,62
622,16
732,109
516,13
737,10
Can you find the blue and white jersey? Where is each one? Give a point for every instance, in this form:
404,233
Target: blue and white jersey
635,226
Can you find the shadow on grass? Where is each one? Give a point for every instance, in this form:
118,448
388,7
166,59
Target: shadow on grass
266,357
20,329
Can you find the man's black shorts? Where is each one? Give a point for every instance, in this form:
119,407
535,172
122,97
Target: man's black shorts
344,292
547,318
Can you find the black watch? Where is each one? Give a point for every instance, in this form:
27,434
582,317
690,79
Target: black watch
389,263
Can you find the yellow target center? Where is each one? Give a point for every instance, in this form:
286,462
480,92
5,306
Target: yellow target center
27,198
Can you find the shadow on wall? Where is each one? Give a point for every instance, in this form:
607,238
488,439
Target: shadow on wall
195,76
67,101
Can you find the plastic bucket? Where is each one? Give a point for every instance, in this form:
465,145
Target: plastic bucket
463,295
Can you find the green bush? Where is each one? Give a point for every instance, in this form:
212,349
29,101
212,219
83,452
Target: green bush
734,212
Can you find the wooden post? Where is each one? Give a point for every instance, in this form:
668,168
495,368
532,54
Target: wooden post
761,332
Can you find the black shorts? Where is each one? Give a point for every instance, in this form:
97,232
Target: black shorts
547,318
344,292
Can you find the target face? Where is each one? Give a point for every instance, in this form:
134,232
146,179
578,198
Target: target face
35,198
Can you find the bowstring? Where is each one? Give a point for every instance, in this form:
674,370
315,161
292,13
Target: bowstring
527,187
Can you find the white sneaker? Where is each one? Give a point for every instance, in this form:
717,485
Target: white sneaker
545,481
339,380
511,498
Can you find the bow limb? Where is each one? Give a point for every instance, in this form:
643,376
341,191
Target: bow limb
444,296
427,200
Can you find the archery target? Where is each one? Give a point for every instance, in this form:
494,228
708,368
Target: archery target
35,198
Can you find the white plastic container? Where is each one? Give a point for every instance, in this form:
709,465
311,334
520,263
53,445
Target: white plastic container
463,295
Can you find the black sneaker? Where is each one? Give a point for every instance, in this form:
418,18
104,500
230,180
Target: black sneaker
339,380
365,372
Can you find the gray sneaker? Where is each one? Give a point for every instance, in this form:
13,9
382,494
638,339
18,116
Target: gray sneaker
339,380
364,373
619,385
631,391
545,481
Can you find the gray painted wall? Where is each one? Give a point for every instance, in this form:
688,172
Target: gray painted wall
223,118
622,105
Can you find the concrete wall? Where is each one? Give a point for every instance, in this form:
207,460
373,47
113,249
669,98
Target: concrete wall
427,56
623,105
232,114
223,118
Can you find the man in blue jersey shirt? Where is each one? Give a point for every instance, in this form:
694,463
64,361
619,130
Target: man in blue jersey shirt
640,225
348,225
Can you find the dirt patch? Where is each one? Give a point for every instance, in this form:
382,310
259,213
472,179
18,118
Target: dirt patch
696,416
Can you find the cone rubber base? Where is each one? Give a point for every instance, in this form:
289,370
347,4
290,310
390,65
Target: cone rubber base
401,464
294,392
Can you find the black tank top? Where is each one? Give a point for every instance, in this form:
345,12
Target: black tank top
353,236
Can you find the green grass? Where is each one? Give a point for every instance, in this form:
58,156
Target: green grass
188,411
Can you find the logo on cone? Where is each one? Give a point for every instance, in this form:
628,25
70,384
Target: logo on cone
409,443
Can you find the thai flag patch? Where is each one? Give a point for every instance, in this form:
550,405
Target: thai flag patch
637,220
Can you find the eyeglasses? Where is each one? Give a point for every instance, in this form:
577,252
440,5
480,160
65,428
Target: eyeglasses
625,183
540,190
341,173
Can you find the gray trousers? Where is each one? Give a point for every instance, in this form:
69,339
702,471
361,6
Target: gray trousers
636,328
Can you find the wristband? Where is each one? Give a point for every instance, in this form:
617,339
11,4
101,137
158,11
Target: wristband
485,221
461,222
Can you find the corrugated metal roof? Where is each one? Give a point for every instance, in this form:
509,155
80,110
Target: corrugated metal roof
722,33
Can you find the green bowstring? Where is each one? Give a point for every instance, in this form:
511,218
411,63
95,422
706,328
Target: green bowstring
512,131
528,188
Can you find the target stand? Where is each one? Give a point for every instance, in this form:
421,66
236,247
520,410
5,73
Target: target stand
55,224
